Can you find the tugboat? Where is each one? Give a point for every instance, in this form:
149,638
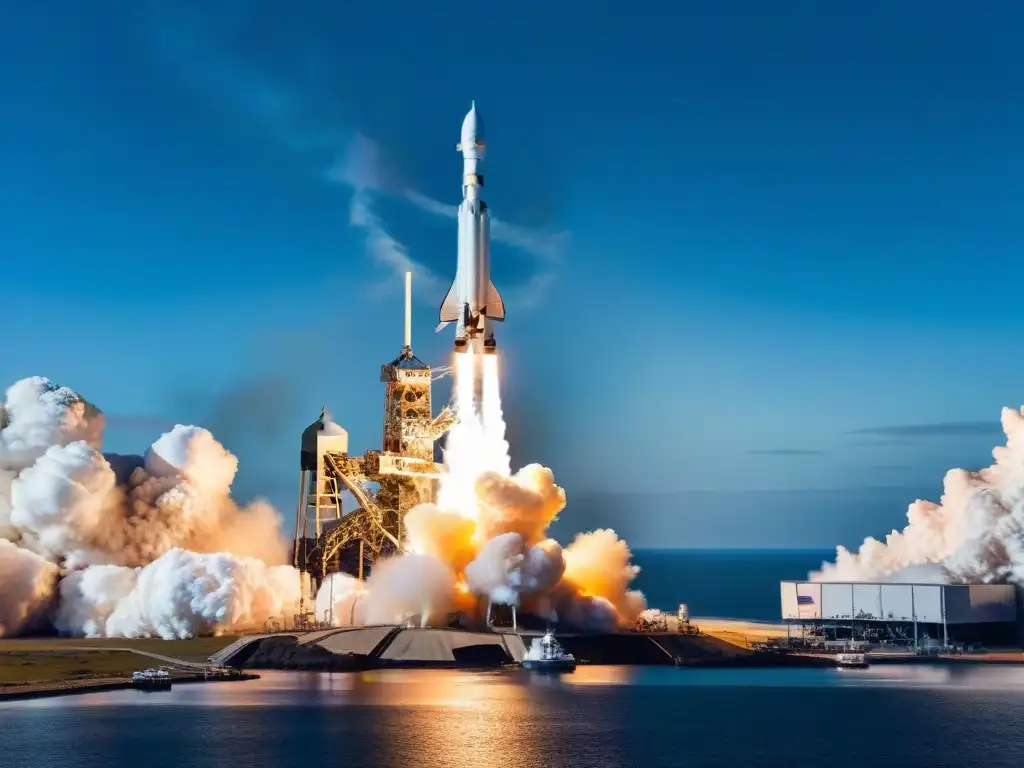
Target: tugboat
546,655
852,660
152,680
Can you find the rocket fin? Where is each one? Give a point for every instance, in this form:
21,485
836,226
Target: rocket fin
495,307
449,307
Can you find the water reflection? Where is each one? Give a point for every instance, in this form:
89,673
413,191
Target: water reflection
466,690
607,716
585,676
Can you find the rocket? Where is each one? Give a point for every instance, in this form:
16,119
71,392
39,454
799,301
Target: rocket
473,303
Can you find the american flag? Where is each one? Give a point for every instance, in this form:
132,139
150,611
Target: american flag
804,600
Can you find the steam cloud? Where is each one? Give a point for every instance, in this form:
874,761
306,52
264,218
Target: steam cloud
974,534
161,552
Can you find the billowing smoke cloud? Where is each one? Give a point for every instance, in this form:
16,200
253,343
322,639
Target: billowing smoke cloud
151,545
411,585
598,563
974,534
27,583
486,539
420,588
341,601
181,594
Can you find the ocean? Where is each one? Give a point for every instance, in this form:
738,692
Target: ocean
741,583
597,717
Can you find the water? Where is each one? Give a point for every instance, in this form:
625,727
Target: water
723,583
598,716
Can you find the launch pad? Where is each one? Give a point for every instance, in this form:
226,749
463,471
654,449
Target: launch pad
327,538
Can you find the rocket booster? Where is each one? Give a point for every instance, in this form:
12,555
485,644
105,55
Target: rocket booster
473,303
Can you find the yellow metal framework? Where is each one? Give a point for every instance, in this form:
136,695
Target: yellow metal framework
405,471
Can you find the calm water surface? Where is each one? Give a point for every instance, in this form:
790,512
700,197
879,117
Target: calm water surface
597,716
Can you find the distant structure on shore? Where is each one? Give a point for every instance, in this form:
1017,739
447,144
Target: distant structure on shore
912,617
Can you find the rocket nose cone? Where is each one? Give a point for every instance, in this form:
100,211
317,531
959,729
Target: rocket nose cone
472,127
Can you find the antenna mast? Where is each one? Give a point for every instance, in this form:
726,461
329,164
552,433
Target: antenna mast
408,310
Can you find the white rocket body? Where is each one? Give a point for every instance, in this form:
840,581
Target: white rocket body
473,302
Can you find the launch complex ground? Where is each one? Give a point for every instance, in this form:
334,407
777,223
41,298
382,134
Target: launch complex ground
57,666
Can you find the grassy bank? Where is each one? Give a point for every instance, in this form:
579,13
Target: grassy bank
65,663
197,649
24,668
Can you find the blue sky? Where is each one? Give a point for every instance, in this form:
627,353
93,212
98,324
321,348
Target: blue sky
744,248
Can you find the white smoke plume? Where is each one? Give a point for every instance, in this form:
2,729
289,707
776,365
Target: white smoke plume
974,534
164,552
341,601
410,586
181,594
27,583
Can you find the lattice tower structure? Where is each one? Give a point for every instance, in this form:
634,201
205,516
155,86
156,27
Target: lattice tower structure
404,472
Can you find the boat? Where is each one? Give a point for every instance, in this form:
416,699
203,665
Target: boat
152,679
852,660
546,655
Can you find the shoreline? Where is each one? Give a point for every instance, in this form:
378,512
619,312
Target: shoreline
78,687
722,643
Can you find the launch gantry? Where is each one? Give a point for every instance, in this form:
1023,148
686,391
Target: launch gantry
404,472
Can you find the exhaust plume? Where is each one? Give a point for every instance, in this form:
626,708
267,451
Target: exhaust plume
486,538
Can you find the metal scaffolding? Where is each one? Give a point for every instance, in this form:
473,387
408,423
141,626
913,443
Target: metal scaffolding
404,473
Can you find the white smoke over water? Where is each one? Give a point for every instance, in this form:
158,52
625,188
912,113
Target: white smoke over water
974,534
164,552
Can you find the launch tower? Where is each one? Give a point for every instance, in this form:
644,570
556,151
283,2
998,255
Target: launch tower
404,472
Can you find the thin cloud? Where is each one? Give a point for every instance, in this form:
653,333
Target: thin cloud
363,169
547,246
205,64
385,249
197,47
532,295
360,170
786,452
542,243
937,429
430,205
880,442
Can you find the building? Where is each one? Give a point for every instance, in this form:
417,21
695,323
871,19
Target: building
909,615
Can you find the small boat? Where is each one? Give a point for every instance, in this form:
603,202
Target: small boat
546,655
852,660
152,679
